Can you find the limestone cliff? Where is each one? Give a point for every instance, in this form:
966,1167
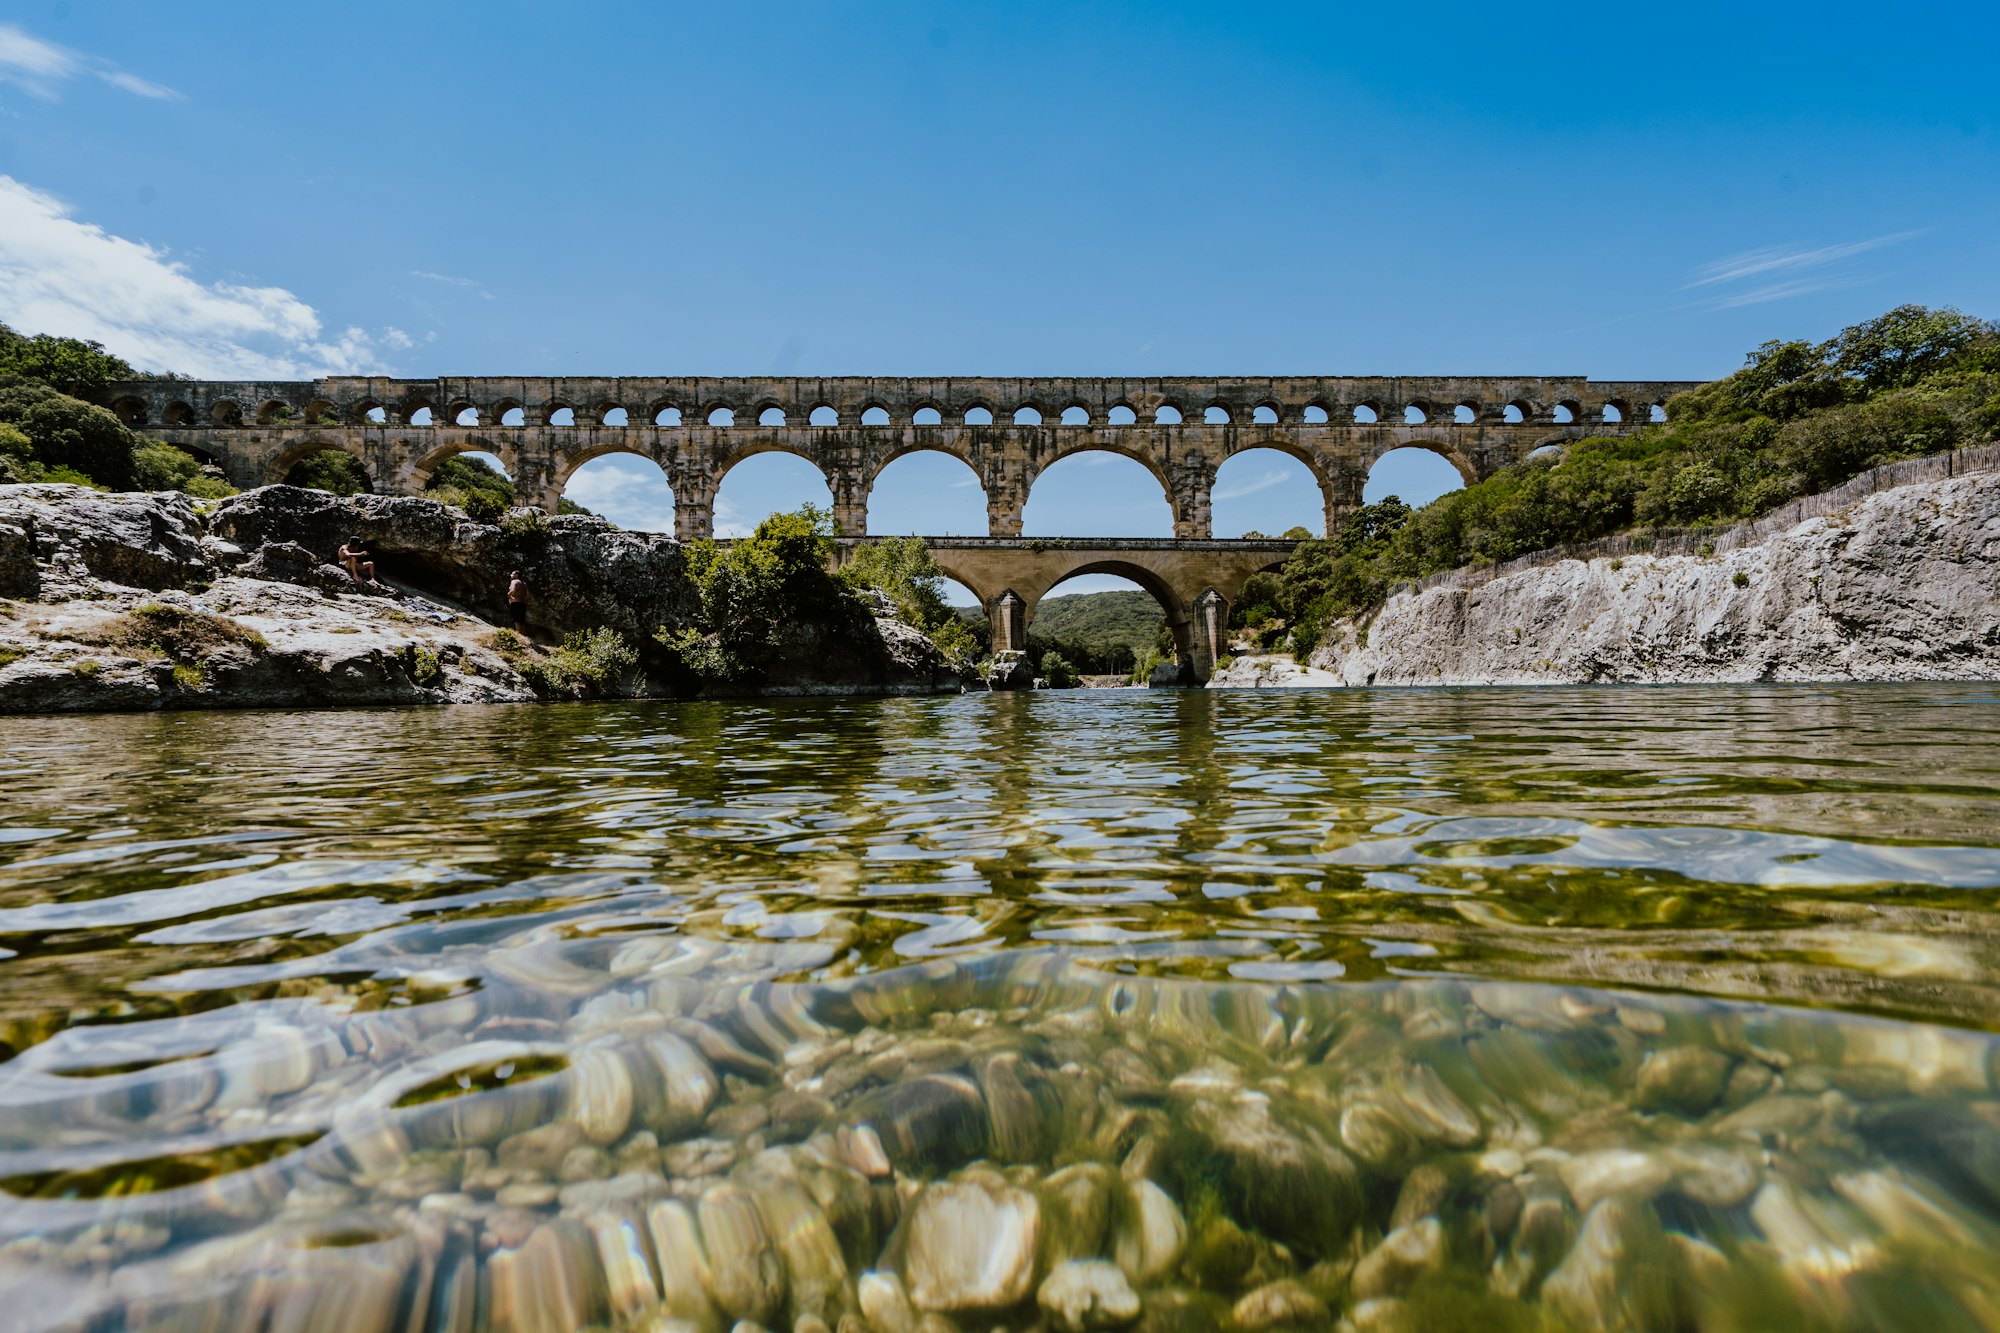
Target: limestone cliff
122,601
1903,585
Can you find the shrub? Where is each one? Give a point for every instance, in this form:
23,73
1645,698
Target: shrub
65,432
424,668
189,676
1740,579
586,665
333,470
87,667
904,570
1057,672
472,484
753,590
69,365
180,633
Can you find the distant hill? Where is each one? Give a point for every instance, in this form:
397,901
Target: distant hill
1131,618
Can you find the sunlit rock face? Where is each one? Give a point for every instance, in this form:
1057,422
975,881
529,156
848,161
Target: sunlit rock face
1905,586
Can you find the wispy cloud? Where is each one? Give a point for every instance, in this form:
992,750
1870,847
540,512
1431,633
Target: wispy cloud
1780,258
1781,272
448,280
62,275
40,67
1238,489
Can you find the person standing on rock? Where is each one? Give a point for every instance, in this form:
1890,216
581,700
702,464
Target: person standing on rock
517,602
355,556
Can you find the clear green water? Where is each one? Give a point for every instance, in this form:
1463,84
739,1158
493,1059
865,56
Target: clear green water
1406,1009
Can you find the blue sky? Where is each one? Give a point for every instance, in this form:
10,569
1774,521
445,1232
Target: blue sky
1018,188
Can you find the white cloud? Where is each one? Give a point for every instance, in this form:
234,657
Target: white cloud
38,67
62,275
630,491
1237,490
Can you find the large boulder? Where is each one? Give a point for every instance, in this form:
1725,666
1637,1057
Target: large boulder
581,572
76,534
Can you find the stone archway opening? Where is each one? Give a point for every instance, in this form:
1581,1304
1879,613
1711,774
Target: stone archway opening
1415,475
627,490
1267,493
927,493
326,468
1097,493
773,482
1104,628
473,480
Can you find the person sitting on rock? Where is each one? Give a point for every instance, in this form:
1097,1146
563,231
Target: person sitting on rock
355,556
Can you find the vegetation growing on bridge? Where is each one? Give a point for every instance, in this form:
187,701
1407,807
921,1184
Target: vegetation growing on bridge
1796,419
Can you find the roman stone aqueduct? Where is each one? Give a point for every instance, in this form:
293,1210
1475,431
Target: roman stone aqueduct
1007,430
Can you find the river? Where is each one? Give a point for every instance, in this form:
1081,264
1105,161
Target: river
1189,1011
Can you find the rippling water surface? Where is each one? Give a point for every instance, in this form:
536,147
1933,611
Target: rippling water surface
1191,1012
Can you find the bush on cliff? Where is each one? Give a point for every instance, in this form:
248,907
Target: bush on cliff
65,432
904,570
588,664
756,594
1796,419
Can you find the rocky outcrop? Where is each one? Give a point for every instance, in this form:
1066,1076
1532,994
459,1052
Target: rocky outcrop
124,601
1905,585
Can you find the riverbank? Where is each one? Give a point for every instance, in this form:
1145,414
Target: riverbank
114,601
1898,585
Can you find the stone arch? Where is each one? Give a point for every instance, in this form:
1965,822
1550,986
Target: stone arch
875,410
1121,413
1081,415
226,412
283,462
926,413
321,412
1315,413
1466,412
1368,412
1179,613
771,413
1033,475
273,411
1459,461
832,417
1168,414
406,411
567,465
501,410
1566,412
1419,412
1270,414
979,408
1028,414
455,410
949,566
952,446
1656,412
1615,411
130,410
606,411
1517,412
363,413
415,474
1217,414
1314,464
718,408
943,508
178,413
843,505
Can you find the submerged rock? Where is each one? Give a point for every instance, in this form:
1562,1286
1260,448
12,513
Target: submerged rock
1081,1296
971,1246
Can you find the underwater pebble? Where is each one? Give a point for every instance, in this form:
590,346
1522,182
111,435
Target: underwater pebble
972,1246
1082,1295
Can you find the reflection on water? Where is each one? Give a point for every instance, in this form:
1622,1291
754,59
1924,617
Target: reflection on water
1539,1009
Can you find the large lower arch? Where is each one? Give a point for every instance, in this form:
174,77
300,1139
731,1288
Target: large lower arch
1116,502
1277,471
932,492
767,478
1413,473
1179,614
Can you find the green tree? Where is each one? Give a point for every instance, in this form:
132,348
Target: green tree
1898,348
752,591
333,470
1057,672
904,570
65,432
69,365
